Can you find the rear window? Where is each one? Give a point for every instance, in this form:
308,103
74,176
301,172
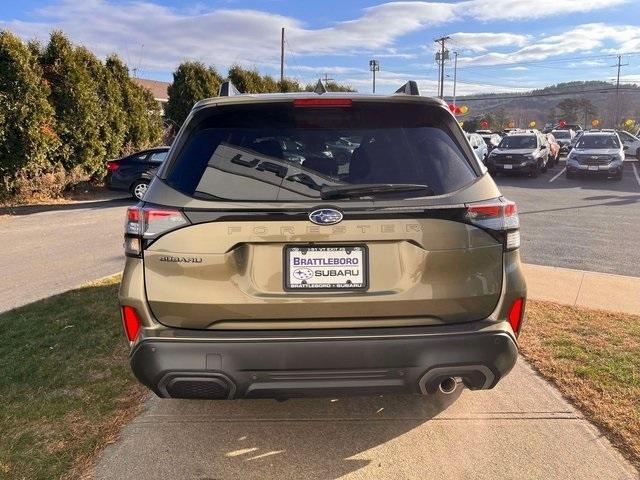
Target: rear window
598,142
562,134
276,152
515,142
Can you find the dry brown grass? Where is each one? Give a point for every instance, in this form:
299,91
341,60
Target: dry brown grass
593,357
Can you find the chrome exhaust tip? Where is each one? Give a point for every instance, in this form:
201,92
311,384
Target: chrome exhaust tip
448,385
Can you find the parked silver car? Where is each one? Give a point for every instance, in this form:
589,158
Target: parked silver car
597,153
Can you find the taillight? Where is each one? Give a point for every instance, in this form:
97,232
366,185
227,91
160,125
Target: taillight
146,223
500,216
112,166
323,102
516,312
131,322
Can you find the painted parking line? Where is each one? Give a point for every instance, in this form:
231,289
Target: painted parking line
635,172
561,172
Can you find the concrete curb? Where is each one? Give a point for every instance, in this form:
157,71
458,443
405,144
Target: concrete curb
580,288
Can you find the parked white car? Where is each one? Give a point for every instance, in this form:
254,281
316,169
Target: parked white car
479,146
630,143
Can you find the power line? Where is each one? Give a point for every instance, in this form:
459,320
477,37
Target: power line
547,94
547,61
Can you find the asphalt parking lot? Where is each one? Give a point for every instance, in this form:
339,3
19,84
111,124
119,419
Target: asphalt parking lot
586,223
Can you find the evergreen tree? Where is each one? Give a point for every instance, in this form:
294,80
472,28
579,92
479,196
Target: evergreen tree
112,127
331,86
27,134
141,119
74,97
288,85
192,81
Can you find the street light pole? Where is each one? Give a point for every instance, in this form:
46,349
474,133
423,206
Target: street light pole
374,66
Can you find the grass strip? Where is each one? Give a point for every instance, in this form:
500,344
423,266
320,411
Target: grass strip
593,357
65,384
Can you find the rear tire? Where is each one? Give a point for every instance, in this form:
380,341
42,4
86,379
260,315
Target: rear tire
139,188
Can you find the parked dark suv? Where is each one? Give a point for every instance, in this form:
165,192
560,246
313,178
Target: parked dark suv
520,152
252,275
134,172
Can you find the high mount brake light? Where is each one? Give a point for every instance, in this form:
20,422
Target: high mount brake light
323,103
500,216
147,223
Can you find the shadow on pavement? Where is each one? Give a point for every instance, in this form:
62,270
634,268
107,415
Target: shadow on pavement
298,438
628,184
97,204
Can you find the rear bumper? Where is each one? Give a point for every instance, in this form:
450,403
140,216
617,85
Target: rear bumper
608,169
526,167
208,365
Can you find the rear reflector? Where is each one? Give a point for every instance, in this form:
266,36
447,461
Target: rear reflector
112,166
323,102
515,315
131,322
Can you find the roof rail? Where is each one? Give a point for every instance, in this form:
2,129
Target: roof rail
409,88
320,88
228,89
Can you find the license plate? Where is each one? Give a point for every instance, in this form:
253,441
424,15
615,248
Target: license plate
325,267
593,167
508,167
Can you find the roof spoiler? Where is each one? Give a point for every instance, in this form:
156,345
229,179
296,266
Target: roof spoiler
228,89
319,88
409,88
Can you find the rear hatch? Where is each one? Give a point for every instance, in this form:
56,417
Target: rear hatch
259,222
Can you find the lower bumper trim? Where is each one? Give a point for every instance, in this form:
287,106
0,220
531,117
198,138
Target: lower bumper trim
319,367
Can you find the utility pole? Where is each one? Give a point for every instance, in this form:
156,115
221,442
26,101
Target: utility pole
617,106
282,57
455,76
441,56
374,66
327,79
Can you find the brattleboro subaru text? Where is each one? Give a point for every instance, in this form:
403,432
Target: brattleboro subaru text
321,244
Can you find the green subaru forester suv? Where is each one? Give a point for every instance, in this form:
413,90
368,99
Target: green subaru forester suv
316,244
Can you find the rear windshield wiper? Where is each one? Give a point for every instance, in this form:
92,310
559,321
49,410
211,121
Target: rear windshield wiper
350,191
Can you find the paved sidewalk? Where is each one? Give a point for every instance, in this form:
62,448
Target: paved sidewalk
584,289
523,429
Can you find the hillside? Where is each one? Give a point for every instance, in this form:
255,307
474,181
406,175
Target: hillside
542,106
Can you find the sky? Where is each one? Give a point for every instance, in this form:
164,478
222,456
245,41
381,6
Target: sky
502,45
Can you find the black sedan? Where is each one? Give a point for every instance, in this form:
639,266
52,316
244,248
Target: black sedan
134,172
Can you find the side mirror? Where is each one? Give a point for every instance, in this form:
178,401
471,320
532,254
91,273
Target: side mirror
543,147
475,146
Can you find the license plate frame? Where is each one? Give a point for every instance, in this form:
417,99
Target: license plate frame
299,286
592,168
508,167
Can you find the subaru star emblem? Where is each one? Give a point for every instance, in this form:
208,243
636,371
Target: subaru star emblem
325,216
